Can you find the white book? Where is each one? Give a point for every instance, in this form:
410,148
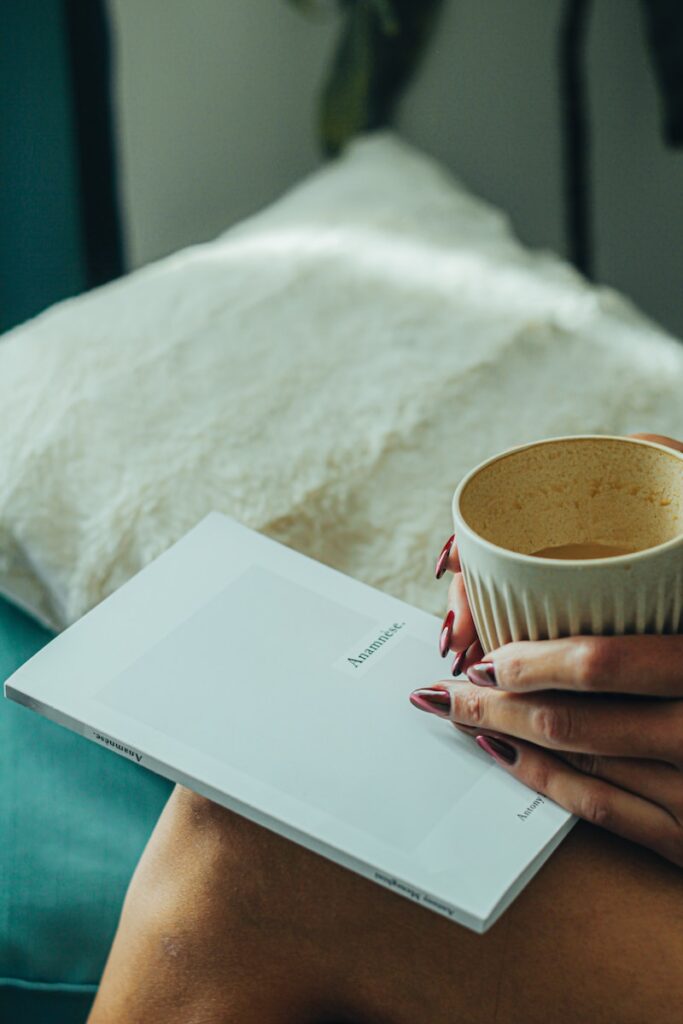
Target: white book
278,687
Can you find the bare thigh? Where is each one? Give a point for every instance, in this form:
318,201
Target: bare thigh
226,922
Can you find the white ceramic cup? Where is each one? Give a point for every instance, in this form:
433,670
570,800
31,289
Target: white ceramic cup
589,489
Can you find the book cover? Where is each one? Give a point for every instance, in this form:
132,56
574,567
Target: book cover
279,688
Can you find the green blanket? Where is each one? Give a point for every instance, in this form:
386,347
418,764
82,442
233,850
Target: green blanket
74,819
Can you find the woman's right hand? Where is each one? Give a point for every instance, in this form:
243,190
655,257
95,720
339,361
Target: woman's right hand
595,723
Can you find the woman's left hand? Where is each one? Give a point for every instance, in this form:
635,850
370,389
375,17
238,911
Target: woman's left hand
594,723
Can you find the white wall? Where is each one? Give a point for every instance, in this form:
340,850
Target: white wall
217,114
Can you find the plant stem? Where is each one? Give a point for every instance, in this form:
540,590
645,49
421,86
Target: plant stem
576,134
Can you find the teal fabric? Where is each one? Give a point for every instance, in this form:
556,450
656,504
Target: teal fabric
41,257
74,819
49,1004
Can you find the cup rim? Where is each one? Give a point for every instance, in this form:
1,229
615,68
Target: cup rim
462,526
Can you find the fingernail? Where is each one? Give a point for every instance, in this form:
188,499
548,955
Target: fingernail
446,634
436,702
458,660
442,560
482,674
499,750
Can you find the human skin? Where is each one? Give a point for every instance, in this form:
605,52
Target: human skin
595,723
226,922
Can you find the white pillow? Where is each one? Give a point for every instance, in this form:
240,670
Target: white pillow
325,373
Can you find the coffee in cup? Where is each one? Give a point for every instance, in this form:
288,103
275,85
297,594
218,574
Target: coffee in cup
573,535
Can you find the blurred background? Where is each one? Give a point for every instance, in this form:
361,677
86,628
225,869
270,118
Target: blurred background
132,128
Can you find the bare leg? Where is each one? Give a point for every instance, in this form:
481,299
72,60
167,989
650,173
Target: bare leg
225,922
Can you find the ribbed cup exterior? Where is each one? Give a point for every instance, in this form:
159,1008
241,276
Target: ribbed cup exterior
515,597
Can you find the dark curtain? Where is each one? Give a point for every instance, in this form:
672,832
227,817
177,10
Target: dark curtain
59,216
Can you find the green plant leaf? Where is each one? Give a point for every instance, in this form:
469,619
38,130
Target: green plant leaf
380,47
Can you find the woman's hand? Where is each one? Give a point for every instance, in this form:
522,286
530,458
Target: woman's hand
594,723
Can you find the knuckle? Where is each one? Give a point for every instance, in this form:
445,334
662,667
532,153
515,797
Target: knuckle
469,707
540,776
514,672
475,707
552,724
595,807
595,661
587,764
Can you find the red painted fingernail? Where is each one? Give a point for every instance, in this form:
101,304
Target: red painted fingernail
456,667
482,674
499,750
442,560
446,634
436,702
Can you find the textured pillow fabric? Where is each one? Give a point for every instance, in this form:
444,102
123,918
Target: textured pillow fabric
73,821
324,373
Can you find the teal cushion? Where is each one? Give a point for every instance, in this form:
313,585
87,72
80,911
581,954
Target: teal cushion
74,819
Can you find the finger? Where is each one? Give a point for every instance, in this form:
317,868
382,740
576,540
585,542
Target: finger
473,655
670,442
463,659
453,564
657,782
660,783
651,729
448,559
592,799
463,633
646,665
